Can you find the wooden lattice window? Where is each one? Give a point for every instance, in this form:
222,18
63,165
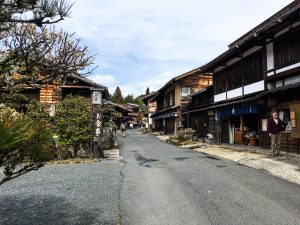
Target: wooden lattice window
287,49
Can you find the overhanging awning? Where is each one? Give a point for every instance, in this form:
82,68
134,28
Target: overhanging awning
238,110
215,106
168,113
163,116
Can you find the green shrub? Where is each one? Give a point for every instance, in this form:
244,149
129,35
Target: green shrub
25,144
72,122
39,111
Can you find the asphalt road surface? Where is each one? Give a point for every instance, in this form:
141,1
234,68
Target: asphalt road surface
165,185
154,184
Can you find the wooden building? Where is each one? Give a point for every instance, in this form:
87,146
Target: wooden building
198,117
170,102
75,85
133,114
121,113
259,73
151,105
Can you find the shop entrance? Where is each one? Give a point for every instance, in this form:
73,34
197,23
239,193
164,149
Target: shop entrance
240,125
170,125
244,129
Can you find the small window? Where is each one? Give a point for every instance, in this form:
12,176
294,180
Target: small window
185,91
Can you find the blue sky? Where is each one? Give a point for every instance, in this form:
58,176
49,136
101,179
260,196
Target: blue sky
144,43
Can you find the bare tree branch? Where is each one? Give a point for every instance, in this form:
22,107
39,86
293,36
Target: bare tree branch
42,55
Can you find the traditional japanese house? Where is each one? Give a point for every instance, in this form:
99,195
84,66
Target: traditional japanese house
198,117
151,104
258,74
133,114
75,85
168,116
121,113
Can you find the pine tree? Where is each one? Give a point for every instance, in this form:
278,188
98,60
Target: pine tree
138,101
129,99
147,91
117,97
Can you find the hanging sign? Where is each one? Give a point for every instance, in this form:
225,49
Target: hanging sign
96,97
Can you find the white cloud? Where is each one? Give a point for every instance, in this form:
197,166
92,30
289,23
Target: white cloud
135,88
107,80
154,83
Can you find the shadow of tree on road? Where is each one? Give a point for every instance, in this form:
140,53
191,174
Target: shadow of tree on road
44,210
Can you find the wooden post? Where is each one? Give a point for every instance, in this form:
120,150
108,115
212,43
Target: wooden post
287,142
188,120
175,127
242,129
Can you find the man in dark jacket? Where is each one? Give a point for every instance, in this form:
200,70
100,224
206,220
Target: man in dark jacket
275,127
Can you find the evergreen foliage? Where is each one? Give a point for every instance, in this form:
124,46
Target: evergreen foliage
25,143
147,91
72,122
117,97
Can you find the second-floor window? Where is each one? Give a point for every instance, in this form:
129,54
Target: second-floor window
160,104
287,49
185,91
253,68
170,99
220,82
234,76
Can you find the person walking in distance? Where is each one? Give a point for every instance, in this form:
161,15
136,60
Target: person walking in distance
123,129
275,127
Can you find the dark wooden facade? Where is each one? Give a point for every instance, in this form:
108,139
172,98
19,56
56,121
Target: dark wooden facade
199,119
260,73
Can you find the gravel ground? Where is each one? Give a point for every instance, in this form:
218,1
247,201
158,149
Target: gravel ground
63,194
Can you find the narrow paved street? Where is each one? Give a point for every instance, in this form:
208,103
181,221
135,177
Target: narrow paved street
154,184
166,185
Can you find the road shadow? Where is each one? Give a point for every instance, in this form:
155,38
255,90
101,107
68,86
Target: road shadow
206,156
44,210
181,158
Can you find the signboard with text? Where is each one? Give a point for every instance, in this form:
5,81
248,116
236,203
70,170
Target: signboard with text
97,124
96,97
